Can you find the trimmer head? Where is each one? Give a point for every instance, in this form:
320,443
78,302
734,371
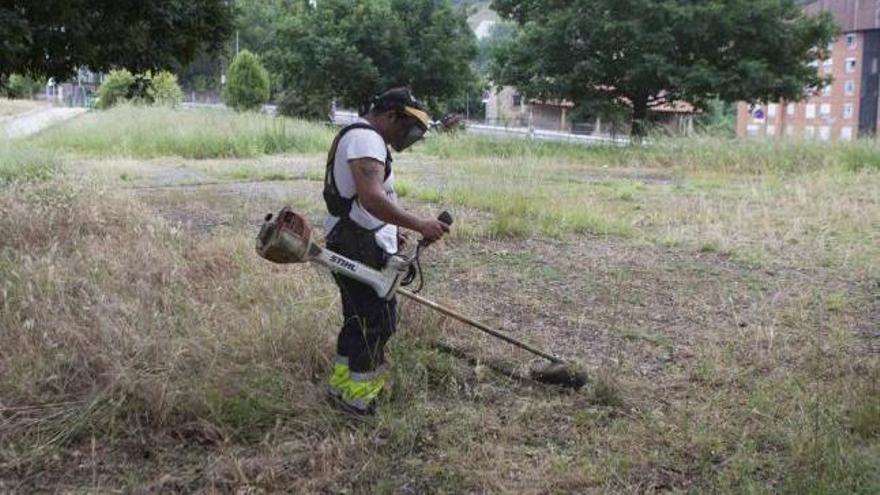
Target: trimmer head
560,374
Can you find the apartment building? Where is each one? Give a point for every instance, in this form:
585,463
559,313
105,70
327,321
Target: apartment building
848,107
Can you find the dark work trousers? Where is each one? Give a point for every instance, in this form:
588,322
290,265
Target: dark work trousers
369,321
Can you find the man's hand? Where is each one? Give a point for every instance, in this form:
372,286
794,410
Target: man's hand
368,179
432,229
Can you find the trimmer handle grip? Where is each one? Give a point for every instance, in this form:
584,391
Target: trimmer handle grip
444,217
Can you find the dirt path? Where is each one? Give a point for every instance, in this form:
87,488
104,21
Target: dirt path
30,123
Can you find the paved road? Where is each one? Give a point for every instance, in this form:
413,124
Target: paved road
26,124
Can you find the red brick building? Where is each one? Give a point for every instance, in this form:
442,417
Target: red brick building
848,107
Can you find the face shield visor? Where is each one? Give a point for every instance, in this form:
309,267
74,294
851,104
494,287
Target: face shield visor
416,131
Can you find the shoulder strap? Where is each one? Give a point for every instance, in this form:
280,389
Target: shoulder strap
329,180
336,204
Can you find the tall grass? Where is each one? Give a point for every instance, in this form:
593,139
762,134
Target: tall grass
138,326
692,153
146,132
115,324
22,162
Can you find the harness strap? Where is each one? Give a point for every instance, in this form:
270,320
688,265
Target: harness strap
338,205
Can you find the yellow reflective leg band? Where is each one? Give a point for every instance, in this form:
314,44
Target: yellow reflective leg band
339,378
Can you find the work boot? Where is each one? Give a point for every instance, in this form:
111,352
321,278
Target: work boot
357,392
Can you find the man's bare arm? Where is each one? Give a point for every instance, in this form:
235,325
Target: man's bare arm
369,177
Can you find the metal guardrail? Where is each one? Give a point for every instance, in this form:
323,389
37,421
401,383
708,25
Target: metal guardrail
544,135
341,117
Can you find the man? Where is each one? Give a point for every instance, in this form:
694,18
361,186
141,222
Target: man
363,225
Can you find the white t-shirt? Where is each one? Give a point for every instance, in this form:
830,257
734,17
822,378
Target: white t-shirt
356,144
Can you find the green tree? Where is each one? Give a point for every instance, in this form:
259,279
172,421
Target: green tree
349,51
53,37
247,84
643,53
256,22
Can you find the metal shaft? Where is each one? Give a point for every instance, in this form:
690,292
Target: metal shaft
464,319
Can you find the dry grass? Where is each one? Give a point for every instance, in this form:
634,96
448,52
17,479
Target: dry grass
729,324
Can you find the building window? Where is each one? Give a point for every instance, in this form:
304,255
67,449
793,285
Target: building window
771,110
789,130
826,90
517,99
851,41
771,130
874,66
809,131
850,65
847,110
825,133
849,88
825,109
752,130
828,62
789,109
811,111
846,134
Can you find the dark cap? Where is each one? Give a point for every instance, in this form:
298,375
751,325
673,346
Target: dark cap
402,99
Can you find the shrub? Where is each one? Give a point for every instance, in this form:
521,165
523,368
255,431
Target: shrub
115,88
147,89
164,90
22,86
247,84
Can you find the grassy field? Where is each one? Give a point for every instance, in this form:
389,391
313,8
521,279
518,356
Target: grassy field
724,297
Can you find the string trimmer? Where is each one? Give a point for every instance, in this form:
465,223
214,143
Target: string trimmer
287,238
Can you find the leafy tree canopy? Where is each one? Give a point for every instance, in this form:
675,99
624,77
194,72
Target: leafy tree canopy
256,22
350,50
643,53
53,37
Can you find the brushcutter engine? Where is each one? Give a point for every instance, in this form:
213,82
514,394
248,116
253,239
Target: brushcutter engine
288,239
